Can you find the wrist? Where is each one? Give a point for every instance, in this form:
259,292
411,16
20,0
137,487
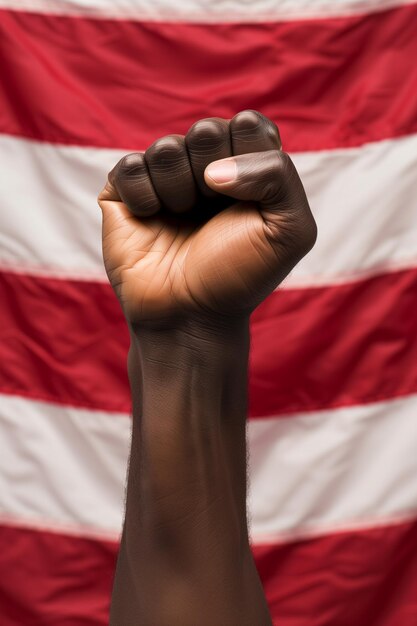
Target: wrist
205,342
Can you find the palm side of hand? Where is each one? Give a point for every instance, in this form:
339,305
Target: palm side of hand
159,268
173,242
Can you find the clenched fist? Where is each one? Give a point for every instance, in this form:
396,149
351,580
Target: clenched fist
207,223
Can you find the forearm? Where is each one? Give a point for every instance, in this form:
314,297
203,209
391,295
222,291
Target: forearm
185,556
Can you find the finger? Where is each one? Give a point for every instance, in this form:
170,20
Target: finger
271,180
207,140
171,174
129,182
253,132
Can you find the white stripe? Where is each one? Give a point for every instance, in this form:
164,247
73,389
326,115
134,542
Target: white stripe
203,11
365,203
64,469
364,200
333,470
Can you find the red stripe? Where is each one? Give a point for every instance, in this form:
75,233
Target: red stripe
364,578
335,346
53,579
361,578
328,82
312,349
63,341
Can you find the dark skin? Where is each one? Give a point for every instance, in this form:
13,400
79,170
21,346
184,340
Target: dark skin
190,252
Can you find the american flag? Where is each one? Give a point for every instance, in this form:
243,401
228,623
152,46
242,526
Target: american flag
332,426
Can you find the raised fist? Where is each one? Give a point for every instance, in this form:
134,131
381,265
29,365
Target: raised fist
210,222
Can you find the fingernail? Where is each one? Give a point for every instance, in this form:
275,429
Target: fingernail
222,171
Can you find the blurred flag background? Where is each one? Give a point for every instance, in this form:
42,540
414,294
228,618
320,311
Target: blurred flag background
333,405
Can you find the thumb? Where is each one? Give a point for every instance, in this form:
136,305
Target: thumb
271,180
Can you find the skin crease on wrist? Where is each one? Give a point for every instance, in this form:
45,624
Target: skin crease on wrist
197,231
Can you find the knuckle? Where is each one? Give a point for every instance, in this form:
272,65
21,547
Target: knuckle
247,120
131,160
284,188
127,167
254,132
283,161
129,178
165,148
275,167
206,132
284,172
272,132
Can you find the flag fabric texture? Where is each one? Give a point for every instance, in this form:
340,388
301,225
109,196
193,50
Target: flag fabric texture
332,426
